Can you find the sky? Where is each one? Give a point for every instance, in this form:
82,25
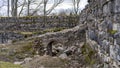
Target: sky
67,4
64,6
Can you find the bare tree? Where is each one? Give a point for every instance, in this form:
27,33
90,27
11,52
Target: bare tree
37,8
26,7
55,4
76,6
46,11
14,7
22,7
2,5
8,7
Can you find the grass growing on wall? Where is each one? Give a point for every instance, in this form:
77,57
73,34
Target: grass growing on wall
112,32
89,54
42,31
54,29
27,33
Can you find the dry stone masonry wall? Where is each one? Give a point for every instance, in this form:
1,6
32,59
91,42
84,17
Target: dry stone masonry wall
103,20
100,21
37,23
10,27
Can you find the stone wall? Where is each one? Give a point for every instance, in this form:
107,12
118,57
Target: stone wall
36,23
65,41
11,27
103,20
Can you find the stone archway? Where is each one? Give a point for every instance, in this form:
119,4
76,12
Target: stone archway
49,48
52,48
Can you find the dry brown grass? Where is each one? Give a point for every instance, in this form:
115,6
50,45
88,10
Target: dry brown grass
47,62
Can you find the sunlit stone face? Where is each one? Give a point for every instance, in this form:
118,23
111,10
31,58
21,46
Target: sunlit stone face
115,26
117,6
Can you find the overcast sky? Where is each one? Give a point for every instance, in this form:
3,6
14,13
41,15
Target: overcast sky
64,6
67,4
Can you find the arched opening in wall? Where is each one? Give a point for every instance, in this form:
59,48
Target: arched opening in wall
49,48
53,48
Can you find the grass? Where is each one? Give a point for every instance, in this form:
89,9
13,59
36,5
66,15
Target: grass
54,29
89,54
17,51
9,65
24,50
27,33
43,31
112,32
47,62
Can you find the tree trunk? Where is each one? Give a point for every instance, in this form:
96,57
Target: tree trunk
44,12
8,8
28,8
14,8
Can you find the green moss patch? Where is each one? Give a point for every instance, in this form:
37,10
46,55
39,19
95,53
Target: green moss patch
112,32
89,54
53,29
17,51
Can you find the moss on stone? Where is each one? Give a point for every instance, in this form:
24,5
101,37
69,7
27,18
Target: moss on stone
89,54
112,32
54,29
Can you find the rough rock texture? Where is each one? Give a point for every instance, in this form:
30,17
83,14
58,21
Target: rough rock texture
11,28
103,21
103,34
36,23
62,40
98,33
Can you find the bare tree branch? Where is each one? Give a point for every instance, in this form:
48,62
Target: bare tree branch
56,3
76,6
22,7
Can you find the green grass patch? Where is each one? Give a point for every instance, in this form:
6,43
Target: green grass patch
112,32
54,29
8,65
25,49
89,54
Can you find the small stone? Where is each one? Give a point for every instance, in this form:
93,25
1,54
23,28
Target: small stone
60,48
19,63
26,60
36,56
63,56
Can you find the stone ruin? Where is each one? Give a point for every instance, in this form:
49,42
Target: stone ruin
63,41
103,21
10,27
100,23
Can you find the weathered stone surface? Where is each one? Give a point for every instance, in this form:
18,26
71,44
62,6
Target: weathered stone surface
117,6
67,40
101,21
102,18
99,17
63,56
36,23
